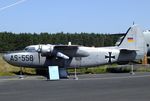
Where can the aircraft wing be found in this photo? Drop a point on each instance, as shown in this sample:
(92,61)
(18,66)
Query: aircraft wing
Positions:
(71,50)
(64,51)
(66,47)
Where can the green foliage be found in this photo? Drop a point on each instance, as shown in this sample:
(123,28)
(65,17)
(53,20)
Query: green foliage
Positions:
(11,41)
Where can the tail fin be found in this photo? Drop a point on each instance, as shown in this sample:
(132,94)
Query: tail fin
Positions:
(134,40)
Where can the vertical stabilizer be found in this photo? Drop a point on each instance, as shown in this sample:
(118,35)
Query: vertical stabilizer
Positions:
(134,40)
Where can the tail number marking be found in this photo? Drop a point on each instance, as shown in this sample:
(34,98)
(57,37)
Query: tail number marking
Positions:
(22,58)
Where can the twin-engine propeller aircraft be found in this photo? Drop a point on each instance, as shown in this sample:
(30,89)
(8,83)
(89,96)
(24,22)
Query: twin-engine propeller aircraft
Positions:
(131,48)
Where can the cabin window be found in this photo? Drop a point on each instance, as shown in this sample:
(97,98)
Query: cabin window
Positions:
(147,45)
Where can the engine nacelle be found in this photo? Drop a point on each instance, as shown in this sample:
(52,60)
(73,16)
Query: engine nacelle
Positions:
(46,50)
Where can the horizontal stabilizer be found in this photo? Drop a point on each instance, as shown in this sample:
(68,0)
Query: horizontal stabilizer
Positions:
(128,49)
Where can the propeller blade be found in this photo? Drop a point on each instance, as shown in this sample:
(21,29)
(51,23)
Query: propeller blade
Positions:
(39,52)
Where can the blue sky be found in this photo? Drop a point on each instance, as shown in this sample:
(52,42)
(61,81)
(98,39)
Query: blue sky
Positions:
(98,16)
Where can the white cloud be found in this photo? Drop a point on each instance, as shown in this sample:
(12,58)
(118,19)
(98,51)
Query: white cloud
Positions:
(11,5)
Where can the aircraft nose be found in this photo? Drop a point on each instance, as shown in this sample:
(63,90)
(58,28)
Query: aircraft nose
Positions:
(6,57)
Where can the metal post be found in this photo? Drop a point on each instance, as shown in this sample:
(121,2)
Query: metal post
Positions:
(21,73)
(78,63)
(132,70)
(75,74)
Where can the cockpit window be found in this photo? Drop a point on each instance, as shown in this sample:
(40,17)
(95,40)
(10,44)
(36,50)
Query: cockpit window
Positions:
(30,49)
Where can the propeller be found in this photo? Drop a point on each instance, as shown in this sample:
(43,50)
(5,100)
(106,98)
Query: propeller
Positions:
(39,52)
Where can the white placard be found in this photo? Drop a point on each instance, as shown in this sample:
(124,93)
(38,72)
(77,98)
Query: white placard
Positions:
(53,72)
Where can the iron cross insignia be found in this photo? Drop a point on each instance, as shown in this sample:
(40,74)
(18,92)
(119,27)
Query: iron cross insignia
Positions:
(109,57)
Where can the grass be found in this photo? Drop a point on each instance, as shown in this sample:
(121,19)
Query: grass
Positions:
(6,74)
(91,70)
(111,69)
